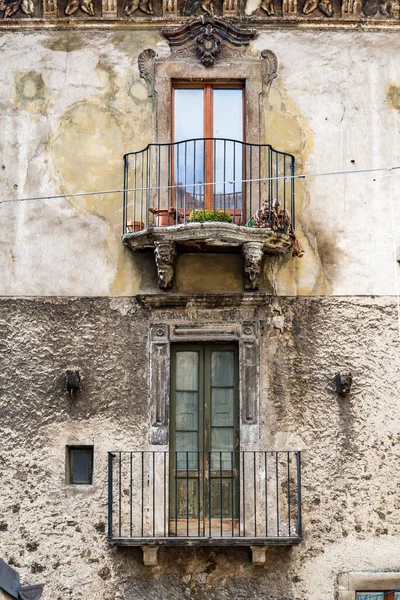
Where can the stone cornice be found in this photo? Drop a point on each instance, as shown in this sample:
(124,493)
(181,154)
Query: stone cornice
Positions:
(141,14)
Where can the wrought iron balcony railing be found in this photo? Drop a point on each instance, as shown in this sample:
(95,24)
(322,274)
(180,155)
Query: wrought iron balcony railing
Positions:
(247,498)
(209,179)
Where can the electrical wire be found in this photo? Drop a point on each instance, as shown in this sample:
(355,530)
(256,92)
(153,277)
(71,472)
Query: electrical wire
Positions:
(192,185)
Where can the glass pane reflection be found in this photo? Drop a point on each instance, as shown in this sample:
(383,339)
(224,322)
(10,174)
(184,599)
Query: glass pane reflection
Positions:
(189,156)
(228,124)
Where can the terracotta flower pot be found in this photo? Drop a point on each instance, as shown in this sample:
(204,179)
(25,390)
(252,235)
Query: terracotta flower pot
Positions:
(131,226)
(164,216)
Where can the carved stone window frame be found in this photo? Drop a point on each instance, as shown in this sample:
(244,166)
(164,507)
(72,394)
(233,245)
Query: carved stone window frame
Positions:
(212,328)
(361,581)
(249,70)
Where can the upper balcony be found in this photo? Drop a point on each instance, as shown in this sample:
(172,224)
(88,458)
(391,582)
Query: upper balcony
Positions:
(209,194)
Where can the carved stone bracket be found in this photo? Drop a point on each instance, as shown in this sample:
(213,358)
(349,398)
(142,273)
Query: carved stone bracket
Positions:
(208,33)
(271,65)
(165,255)
(146,68)
(252,253)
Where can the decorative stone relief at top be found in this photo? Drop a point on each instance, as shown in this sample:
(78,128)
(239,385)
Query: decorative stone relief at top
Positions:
(213,34)
(10,7)
(208,34)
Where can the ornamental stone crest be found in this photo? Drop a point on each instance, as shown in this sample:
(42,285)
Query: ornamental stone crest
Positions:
(208,33)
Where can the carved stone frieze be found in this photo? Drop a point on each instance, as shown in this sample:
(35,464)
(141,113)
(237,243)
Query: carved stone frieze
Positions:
(10,7)
(109,9)
(351,7)
(252,253)
(208,34)
(209,37)
(230,7)
(170,7)
(49,8)
(193,7)
(86,6)
(146,68)
(131,6)
(323,6)
(289,7)
(268,7)
(165,256)
(271,62)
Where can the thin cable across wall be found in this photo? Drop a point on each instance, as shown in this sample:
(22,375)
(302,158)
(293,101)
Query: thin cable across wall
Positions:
(191,185)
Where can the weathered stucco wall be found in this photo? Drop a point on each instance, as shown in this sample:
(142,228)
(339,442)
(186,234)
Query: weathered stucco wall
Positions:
(55,533)
(72,103)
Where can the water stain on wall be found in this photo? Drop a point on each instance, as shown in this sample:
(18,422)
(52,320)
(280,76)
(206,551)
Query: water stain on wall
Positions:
(393,96)
(87,148)
(288,131)
(31,93)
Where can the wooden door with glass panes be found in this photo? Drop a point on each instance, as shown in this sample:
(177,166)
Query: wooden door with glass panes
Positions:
(204,443)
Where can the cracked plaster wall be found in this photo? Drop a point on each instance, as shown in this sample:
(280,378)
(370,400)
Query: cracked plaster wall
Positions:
(55,533)
(72,103)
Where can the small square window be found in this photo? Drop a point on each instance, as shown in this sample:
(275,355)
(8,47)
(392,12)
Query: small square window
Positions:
(80,465)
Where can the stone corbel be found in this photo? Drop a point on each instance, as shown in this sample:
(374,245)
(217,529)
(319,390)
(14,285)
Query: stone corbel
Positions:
(165,256)
(252,253)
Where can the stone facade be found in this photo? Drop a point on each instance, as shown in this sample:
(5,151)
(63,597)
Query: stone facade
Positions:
(56,533)
(84,82)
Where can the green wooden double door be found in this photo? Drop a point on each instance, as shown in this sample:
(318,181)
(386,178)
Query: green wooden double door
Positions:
(204,458)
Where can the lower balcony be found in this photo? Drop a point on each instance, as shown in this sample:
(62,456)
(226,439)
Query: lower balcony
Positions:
(241,498)
(209,195)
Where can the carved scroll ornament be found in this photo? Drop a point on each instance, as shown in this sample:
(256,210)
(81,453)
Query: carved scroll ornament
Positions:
(271,65)
(146,67)
(208,34)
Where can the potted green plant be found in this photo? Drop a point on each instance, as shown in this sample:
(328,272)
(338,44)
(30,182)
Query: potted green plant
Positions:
(202,215)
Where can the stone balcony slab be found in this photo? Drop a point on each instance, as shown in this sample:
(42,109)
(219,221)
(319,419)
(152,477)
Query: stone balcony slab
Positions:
(167,242)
